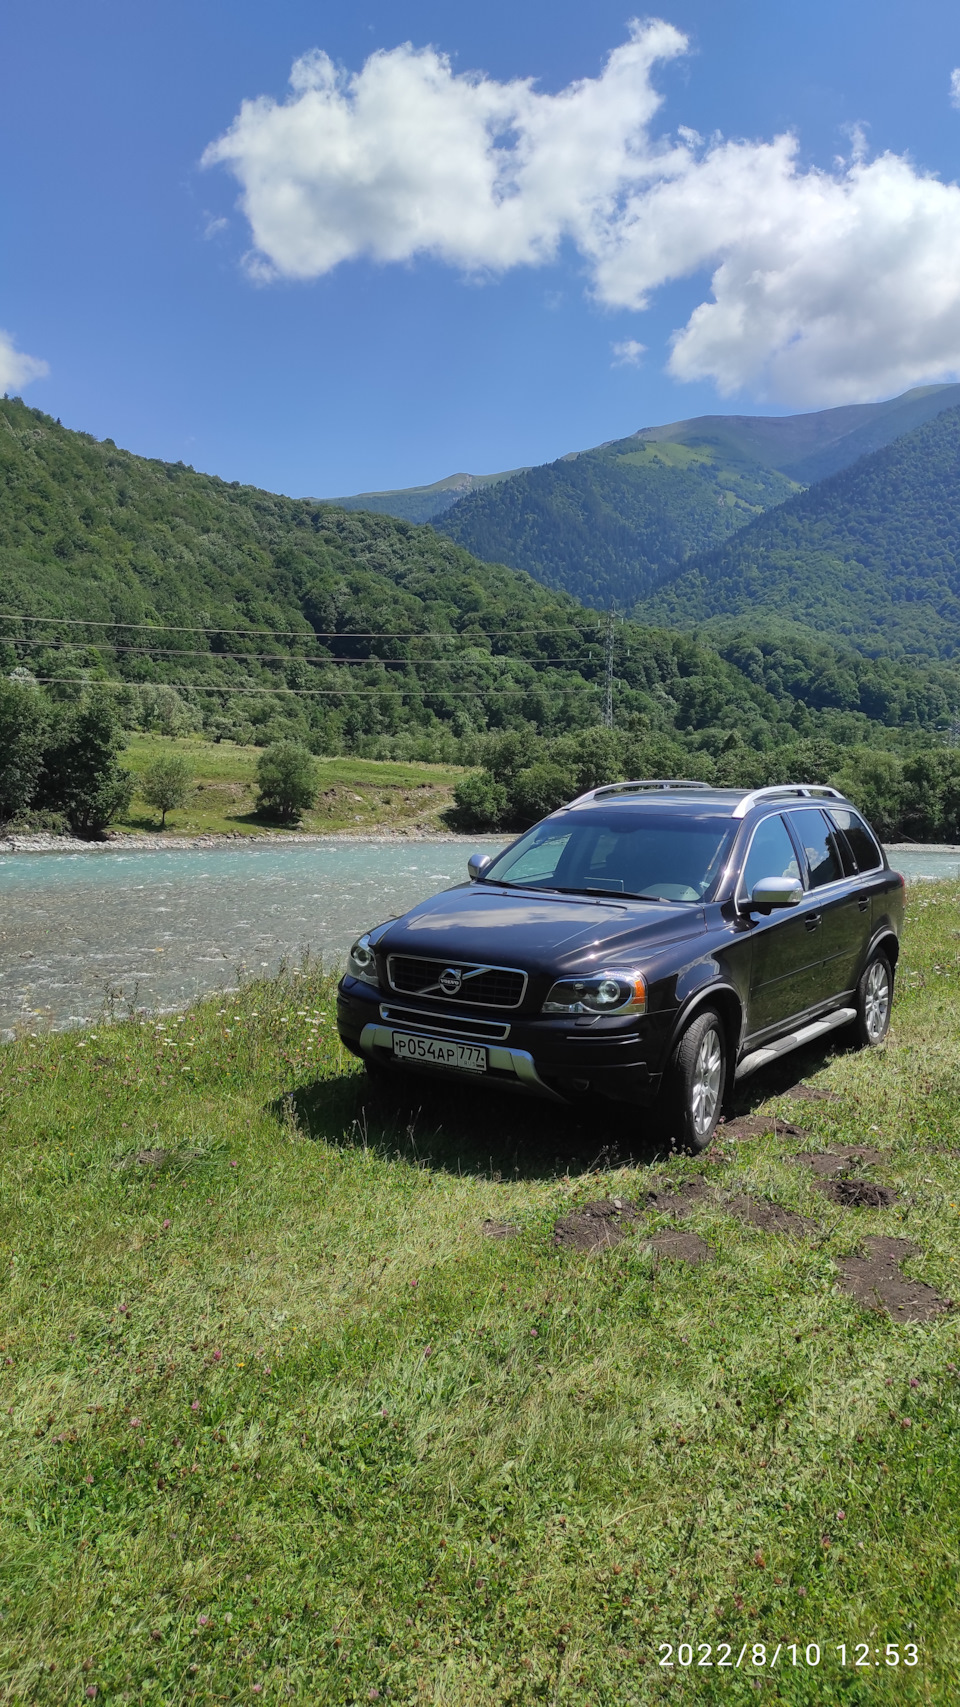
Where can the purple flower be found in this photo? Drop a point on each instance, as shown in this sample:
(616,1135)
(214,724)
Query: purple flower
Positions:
(202,1620)
(165,1225)
(913,1381)
(195,1406)
(134,1422)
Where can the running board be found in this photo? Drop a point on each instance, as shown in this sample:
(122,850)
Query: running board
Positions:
(796,1040)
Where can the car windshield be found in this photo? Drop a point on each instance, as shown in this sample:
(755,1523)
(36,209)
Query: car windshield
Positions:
(633,851)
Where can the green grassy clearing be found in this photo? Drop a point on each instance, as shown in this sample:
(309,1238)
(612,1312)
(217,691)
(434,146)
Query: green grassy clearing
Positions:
(360,794)
(278,1423)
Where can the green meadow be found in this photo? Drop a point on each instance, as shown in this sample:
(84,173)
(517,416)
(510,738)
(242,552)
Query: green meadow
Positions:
(279,1421)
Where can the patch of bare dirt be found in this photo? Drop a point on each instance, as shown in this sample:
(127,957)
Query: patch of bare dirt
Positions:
(595,1226)
(499,1230)
(769,1217)
(811,1093)
(875,1281)
(857,1193)
(679,1200)
(681,1247)
(758,1126)
(825,1163)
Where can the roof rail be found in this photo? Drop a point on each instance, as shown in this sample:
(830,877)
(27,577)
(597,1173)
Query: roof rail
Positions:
(786,791)
(651,783)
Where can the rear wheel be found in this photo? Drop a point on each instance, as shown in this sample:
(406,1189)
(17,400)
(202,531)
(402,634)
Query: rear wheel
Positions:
(874,1001)
(694,1083)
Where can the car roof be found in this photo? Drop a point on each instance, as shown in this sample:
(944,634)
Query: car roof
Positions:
(674,792)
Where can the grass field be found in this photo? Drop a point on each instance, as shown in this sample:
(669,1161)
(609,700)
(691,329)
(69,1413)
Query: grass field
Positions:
(279,1423)
(355,794)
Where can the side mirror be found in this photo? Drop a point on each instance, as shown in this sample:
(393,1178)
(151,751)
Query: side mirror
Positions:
(776,892)
(477,865)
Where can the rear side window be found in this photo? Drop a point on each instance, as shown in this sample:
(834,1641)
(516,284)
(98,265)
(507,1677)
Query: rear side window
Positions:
(821,845)
(772,854)
(862,844)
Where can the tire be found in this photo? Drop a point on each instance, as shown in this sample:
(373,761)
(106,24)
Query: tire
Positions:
(695,1082)
(874,1001)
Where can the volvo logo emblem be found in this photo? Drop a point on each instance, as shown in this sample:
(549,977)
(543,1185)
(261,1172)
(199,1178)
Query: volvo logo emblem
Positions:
(450,981)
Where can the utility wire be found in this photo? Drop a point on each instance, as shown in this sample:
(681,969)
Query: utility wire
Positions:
(288,657)
(344,692)
(285,633)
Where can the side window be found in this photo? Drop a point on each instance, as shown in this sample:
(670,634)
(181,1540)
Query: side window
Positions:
(771,854)
(821,844)
(864,848)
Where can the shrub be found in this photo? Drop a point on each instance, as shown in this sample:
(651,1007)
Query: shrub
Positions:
(165,784)
(287,780)
(480,803)
(81,776)
(23,725)
(538,791)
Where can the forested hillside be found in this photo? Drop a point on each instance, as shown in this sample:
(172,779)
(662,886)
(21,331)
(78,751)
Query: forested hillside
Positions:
(610,524)
(422,503)
(221,607)
(870,556)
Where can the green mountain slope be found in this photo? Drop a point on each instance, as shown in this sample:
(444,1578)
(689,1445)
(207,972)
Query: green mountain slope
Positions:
(351,628)
(871,555)
(610,524)
(422,503)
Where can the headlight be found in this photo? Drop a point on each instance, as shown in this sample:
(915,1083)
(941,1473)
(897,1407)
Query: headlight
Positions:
(603,993)
(361,962)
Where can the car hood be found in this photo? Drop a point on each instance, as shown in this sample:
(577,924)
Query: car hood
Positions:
(491,926)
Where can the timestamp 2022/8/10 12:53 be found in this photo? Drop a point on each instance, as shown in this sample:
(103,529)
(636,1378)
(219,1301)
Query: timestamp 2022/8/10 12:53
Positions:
(765,1656)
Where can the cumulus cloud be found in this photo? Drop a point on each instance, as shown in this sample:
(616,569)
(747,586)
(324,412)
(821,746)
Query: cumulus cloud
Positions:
(16,368)
(825,286)
(628,353)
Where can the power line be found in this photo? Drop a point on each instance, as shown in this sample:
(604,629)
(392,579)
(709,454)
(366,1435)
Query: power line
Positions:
(314,693)
(292,657)
(285,633)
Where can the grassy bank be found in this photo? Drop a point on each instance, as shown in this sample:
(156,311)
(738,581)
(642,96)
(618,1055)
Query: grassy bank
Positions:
(280,1423)
(355,794)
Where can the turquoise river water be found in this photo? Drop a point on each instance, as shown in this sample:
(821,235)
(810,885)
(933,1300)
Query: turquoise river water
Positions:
(155,929)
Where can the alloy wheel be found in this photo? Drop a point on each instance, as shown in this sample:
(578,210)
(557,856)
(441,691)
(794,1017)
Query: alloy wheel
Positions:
(876,1000)
(706,1083)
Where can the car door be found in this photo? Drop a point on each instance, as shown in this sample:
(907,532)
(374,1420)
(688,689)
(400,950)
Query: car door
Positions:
(786,942)
(837,894)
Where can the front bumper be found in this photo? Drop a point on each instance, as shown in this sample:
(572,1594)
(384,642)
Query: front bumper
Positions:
(541,1056)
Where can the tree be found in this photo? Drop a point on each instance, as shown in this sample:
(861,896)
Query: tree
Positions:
(165,784)
(479,802)
(22,728)
(81,776)
(287,780)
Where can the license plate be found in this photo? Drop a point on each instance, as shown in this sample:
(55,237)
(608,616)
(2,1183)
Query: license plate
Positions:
(466,1056)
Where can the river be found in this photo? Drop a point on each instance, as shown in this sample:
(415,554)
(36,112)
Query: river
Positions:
(156,929)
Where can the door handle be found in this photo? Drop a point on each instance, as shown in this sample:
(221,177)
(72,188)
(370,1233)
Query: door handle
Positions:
(812,920)
(863,903)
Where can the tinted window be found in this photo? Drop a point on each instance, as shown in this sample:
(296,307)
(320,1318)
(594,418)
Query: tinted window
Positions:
(864,848)
(620,850)
(821,844)
(772,854)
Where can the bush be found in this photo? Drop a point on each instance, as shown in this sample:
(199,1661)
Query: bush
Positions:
(165,784)
(480,803)
(287,780)
(538,791)
(23,724)
(81,776)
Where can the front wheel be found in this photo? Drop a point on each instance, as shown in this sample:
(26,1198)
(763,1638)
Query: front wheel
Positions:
(694,1083)
(874,1001)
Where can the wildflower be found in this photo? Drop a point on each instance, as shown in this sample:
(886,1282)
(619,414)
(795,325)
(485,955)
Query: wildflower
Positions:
(905,1422)
(202,1620)
(913,1381)
(267,1370)
(165,1225)
(234,1164)
(91,1690)
(759,1559)
(217,1355)
(135,1422)
(195,1406)
(841,1516)
(427,1350)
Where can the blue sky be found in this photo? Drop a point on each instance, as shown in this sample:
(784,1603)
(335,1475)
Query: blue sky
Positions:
(315,344)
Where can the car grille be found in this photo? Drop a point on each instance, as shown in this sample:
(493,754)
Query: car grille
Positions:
(462,1026)
(487,986)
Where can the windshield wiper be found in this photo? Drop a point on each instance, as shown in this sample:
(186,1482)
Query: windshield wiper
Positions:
(611,894)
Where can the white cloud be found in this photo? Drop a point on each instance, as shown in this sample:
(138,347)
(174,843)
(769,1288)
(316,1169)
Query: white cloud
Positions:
(628,353)
(955,87)
(826,286)
(16,368)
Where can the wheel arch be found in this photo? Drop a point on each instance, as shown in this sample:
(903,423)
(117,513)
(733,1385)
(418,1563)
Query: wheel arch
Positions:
(727,1003)
(888,943)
